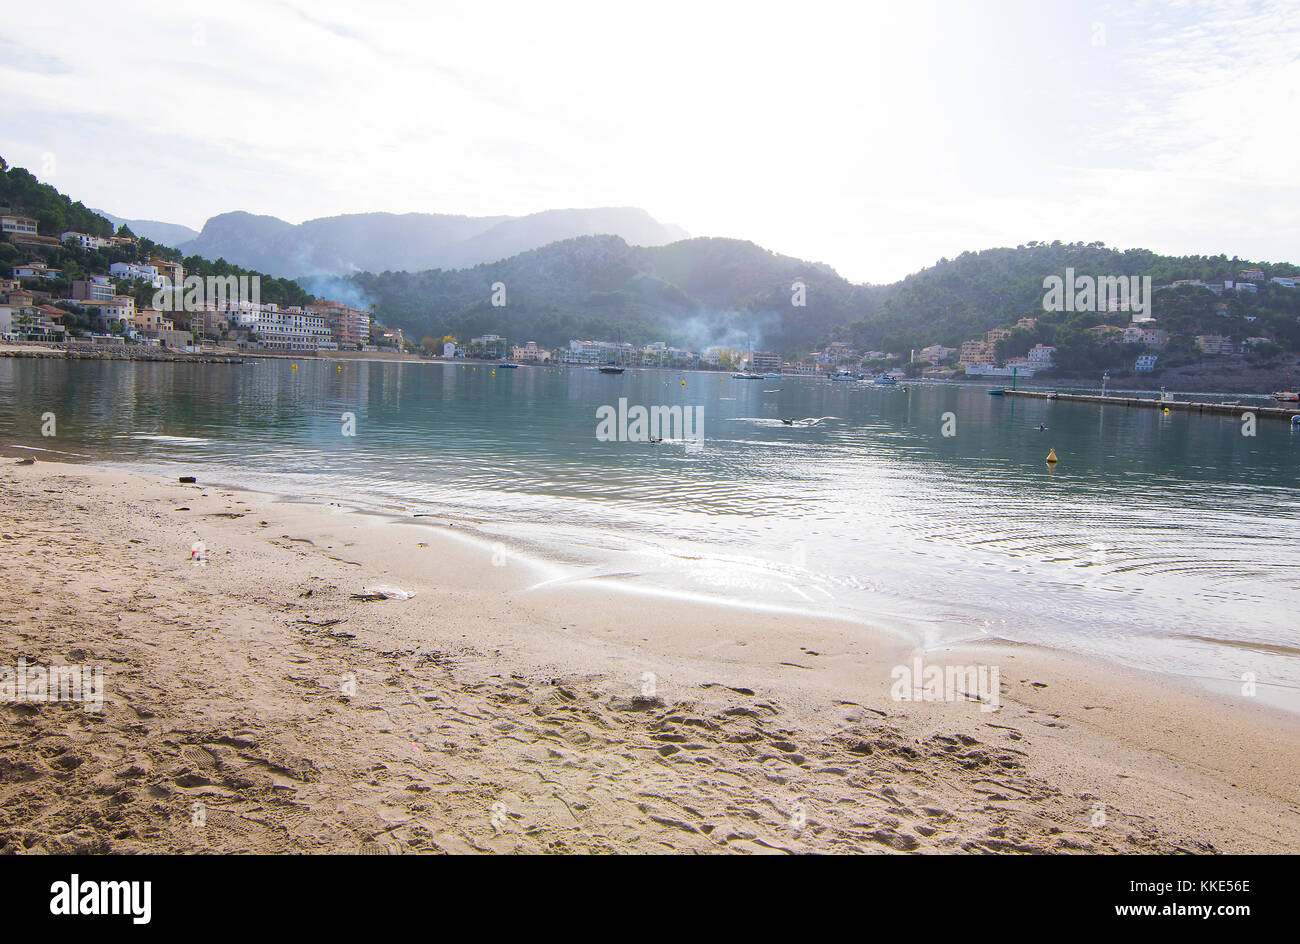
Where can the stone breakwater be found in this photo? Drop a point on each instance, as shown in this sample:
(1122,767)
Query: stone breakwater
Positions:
(120,353)
(1182,406)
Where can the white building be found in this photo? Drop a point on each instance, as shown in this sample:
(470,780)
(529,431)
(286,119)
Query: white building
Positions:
(36,270)
(285,329)
(596,352)
(10,223)
(1145,332)
(136,272)
(85,240)
(1040,356)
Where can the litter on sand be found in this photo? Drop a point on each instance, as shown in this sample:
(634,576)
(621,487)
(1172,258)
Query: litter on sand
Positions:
(383,593)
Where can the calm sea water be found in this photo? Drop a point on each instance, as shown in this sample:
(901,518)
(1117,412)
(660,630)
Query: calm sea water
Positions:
(1165,542)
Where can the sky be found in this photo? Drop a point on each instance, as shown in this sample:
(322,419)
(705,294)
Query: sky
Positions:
(874,137)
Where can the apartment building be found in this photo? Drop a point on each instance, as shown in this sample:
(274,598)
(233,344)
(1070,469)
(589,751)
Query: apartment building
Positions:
(136,272)
(1040,356)
(105,311)
(11,223)
(208,321)
(28,323)
(1146,332)
(764,361)
(172,271)
(285,329)
(349,327)
(96,288)
(36,270)
(85,240)
(152,321)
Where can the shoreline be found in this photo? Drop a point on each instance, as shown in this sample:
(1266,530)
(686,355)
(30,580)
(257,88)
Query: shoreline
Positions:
(905,632)
(494,713)
(1184,384)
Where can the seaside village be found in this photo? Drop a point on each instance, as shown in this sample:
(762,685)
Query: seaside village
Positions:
(31,312)
(976,357)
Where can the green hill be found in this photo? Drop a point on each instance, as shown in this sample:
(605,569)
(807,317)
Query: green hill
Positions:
(694,292)
(963,298)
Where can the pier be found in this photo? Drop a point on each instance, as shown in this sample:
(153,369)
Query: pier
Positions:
(1184,406)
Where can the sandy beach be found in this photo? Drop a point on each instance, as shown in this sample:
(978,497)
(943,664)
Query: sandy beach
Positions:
(256,700)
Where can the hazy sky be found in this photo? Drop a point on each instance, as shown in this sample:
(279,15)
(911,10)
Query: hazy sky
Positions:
(875,137)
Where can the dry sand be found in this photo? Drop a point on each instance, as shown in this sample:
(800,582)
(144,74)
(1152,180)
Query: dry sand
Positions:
(253,703)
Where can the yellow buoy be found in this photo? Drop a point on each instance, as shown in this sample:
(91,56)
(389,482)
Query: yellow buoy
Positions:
(1051,455)
(293,366)
(494,371)
(683,383)
(338,366)
(1166,411)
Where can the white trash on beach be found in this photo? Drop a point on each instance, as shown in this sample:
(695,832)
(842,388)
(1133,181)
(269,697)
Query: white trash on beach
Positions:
(390,593)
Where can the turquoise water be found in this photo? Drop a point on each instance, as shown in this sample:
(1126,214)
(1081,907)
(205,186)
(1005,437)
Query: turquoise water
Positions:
(1165,542)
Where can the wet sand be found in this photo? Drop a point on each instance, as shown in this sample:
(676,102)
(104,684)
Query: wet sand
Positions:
(254,703)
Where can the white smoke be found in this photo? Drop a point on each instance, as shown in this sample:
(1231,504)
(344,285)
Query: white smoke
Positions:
(732,328)
(334,288)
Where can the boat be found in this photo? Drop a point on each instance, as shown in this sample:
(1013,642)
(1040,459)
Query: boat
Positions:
(842,375)
(509,366)
(747,376)
(998,392)
(885,380)
(610,369)
(771,376)
(1287,396)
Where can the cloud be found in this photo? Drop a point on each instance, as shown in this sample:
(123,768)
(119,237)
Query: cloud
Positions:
(876,138)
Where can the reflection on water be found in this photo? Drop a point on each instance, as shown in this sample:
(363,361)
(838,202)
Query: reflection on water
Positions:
(1163,541)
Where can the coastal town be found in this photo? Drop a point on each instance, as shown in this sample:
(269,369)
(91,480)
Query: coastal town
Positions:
(41,305)
(188,315)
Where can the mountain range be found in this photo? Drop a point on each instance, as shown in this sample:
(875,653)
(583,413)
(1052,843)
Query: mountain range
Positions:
(618,274)
(379,242)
